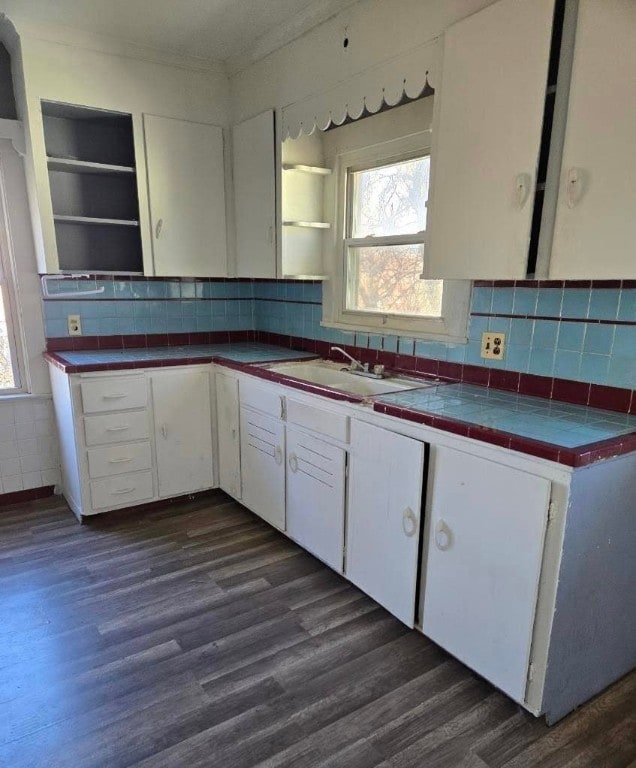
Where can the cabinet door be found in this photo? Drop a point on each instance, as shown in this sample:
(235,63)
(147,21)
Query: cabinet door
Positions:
(315,496)
(228,429)
(487,139)
(263,466)
(595,225)
(486,524)
(186,188)
(255,196)
(183,431)
(383,517)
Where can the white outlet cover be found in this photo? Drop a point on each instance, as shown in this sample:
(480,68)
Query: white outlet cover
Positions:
(74,324)
(493,345)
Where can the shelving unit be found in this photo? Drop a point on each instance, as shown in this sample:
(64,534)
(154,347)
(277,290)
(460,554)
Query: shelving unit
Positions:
(93,184)
(303,209)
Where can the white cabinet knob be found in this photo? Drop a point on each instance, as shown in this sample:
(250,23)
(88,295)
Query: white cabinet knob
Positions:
(409,522)
(293,462)
(158,228)
(278,455)
(443,536)
(573,187)
(523,182)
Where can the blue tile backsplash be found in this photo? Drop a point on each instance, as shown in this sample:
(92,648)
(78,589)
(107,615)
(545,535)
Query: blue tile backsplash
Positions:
(578,333)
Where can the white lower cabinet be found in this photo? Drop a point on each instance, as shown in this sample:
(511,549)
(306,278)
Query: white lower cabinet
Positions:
(383,517)
(228,432)
(316,496)
(263,465)
(486,524)
(183,431)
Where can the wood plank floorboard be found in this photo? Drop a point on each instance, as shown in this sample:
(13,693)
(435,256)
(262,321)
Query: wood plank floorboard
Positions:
(198,636)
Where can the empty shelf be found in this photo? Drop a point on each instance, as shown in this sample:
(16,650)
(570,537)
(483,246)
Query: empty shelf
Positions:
(85,166)
(90,220)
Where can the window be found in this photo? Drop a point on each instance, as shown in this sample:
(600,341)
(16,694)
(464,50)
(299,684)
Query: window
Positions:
(380,247)
(9,373)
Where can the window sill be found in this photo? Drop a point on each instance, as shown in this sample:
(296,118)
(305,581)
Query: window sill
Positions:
(374,330)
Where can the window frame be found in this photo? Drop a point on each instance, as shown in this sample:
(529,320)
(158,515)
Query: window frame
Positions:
(453,323)
(8,289)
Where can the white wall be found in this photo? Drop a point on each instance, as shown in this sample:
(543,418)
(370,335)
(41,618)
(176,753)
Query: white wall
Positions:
(28,444)
(378,31)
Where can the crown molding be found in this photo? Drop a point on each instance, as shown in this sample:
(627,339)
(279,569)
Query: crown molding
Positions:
(76,38)
(317,13)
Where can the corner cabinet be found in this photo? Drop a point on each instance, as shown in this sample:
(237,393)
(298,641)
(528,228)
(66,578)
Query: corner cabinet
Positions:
(254,172)
(186,191)
(486,141)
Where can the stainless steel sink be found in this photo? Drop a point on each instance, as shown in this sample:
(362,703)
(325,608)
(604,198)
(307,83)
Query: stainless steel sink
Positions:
(332,375)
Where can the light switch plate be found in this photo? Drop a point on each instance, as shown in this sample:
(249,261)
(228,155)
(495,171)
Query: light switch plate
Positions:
(493,345)
(74,325)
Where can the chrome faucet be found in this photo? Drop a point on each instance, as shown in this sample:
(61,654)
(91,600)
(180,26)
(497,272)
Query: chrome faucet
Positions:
(356,365)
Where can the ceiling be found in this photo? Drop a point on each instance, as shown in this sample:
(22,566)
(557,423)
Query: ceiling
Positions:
(218,30)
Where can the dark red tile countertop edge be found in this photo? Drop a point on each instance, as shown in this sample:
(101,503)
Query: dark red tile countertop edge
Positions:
(509,381)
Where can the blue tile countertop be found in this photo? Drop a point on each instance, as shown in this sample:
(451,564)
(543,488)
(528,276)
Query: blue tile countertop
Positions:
(566,429)
(114,359)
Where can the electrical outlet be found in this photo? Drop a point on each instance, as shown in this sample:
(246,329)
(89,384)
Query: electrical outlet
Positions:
(74,325)
(493,345)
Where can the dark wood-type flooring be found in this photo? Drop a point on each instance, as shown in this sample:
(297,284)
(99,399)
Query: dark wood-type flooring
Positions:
(199,636)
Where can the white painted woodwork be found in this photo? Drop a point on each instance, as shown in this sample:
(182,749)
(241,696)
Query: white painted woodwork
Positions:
(228,431)
(487,140)
(254,165)
(486,524)
(263,466)
(595,227)
(263,397)
(186,187)
(122,490)
(117,459)
(316,496)
(319,419)
(114,394)
(383,516)
(116,427)
(183,430)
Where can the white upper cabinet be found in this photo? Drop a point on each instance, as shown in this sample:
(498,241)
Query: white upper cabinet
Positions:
(254,168)
(186,186)
(595,224)
(486,141)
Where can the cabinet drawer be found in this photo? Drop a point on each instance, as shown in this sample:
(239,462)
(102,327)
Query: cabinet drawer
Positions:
(123,489)
(117,459)
(114,394)
(335,425)
(261,398)
(116,428)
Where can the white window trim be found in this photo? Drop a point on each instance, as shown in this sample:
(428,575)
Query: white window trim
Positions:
(452,326)
(8,286)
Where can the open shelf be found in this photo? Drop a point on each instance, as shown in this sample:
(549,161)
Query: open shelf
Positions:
(308,224)
(94,220)
(70,165)
(316,169)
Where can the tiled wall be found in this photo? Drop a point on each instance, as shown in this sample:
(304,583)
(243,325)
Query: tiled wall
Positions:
(28,445)
(577,331)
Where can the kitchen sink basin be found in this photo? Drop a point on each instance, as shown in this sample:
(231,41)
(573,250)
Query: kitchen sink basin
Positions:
(332,375)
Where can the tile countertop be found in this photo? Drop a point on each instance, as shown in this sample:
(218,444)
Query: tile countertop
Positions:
(570,434)
(574,435)
(120,359)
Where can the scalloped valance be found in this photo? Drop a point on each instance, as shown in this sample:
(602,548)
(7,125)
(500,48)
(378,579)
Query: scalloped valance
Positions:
(385,84)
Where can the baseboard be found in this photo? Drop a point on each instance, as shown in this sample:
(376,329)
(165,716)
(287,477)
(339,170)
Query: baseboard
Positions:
(30,494)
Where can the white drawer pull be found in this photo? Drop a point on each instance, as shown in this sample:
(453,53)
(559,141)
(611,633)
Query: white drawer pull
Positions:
(278,455)
(122,428)
(409,522)
(122,460)
(164,431)
(443,536)
(293,462)
(123,490)
(114,396)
